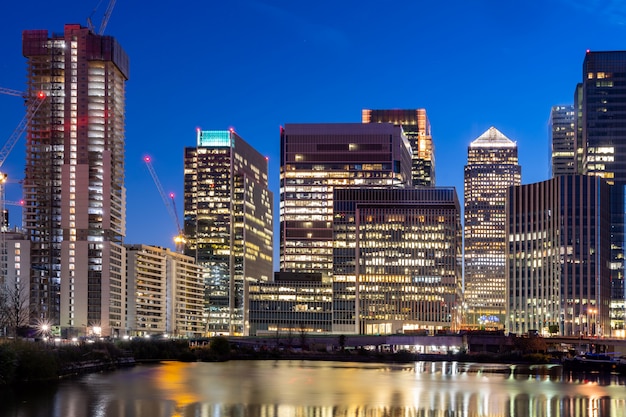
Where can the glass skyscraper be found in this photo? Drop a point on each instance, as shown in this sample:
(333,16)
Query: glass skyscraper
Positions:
(602,146)
(562,140)
(74,195)
(416,127)
(227,224)
(492,167)
(316,159)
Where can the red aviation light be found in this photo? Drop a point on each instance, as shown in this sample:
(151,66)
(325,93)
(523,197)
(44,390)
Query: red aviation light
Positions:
(147,159)
(172,196)
(41,95)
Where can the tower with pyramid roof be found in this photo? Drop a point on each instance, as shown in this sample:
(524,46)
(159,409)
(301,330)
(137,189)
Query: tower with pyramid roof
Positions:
(492,167)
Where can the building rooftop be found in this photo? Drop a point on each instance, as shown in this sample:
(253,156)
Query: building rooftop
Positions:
(493,138)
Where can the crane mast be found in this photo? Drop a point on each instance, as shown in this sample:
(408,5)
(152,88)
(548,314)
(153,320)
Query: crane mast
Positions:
(105,17)
(33,106)
(170,205)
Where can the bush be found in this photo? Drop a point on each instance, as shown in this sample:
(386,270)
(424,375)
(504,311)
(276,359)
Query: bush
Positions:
(36,362)
(8,364)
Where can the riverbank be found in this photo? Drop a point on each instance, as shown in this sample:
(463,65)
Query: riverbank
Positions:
(24,362)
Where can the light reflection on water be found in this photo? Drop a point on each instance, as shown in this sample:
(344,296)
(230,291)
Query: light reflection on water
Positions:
(321,389)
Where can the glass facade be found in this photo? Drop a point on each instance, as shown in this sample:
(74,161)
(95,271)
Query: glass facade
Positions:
(558,252)
(315,159)
(228,224)
(293,304)
(492,167)
(396,260)
(74,196)
(603,152)
(562,141)
(416,126)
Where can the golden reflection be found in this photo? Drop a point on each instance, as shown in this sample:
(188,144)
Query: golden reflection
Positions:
(172,382)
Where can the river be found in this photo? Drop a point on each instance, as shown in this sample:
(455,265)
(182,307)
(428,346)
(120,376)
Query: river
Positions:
(322,389)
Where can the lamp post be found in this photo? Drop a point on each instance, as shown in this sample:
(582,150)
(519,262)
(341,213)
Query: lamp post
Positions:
(44,330)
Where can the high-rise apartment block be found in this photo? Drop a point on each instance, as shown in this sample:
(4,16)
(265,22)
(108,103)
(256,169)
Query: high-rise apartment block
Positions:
(563,140)
(602,146)
(316,159)
(417,130)
(165,293)
(228,224)
(74,196)
(492,167)
(557,253)
(396,260)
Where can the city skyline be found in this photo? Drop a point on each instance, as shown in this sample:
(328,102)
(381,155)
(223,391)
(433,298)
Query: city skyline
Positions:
(288,64)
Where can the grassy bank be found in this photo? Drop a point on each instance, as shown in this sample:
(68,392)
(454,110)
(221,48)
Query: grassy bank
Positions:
(24,362)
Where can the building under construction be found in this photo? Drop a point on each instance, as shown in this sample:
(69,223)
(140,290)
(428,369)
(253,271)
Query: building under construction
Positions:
(74,196)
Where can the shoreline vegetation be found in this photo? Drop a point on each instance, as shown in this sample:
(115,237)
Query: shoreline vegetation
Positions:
(27,362)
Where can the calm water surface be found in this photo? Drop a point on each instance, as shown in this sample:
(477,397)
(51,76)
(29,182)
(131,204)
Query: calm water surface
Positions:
(321,389)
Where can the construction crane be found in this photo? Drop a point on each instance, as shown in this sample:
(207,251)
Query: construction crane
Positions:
(170,204)
(105,17)
(33,106)
(11,92)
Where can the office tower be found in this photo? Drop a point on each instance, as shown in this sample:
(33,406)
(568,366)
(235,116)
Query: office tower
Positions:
(228,224)
(417,130)
(603,151)
(166,293)
(292,306)
(558,240)
(74,196)
(396,260)
(492,167)
(562,141)
(316,158)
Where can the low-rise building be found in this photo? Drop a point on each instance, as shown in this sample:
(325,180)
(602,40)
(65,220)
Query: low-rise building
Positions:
(165,293)
(294,303)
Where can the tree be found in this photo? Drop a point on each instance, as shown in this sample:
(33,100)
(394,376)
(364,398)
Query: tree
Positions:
(220,347)
(342,342)
(302,336)
(14,307)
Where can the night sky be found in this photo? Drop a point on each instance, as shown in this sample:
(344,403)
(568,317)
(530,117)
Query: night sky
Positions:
(256,65)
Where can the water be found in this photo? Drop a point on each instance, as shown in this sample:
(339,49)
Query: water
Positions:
(322,389)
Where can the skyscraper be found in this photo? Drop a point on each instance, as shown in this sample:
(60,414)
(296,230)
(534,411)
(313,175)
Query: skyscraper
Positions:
(315,159)
(228,224)
(492,167)
(74,196)
(603,151)
(562,140)
(558,239)
(417,130)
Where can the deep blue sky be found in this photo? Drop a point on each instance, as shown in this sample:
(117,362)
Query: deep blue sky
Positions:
(256,65)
